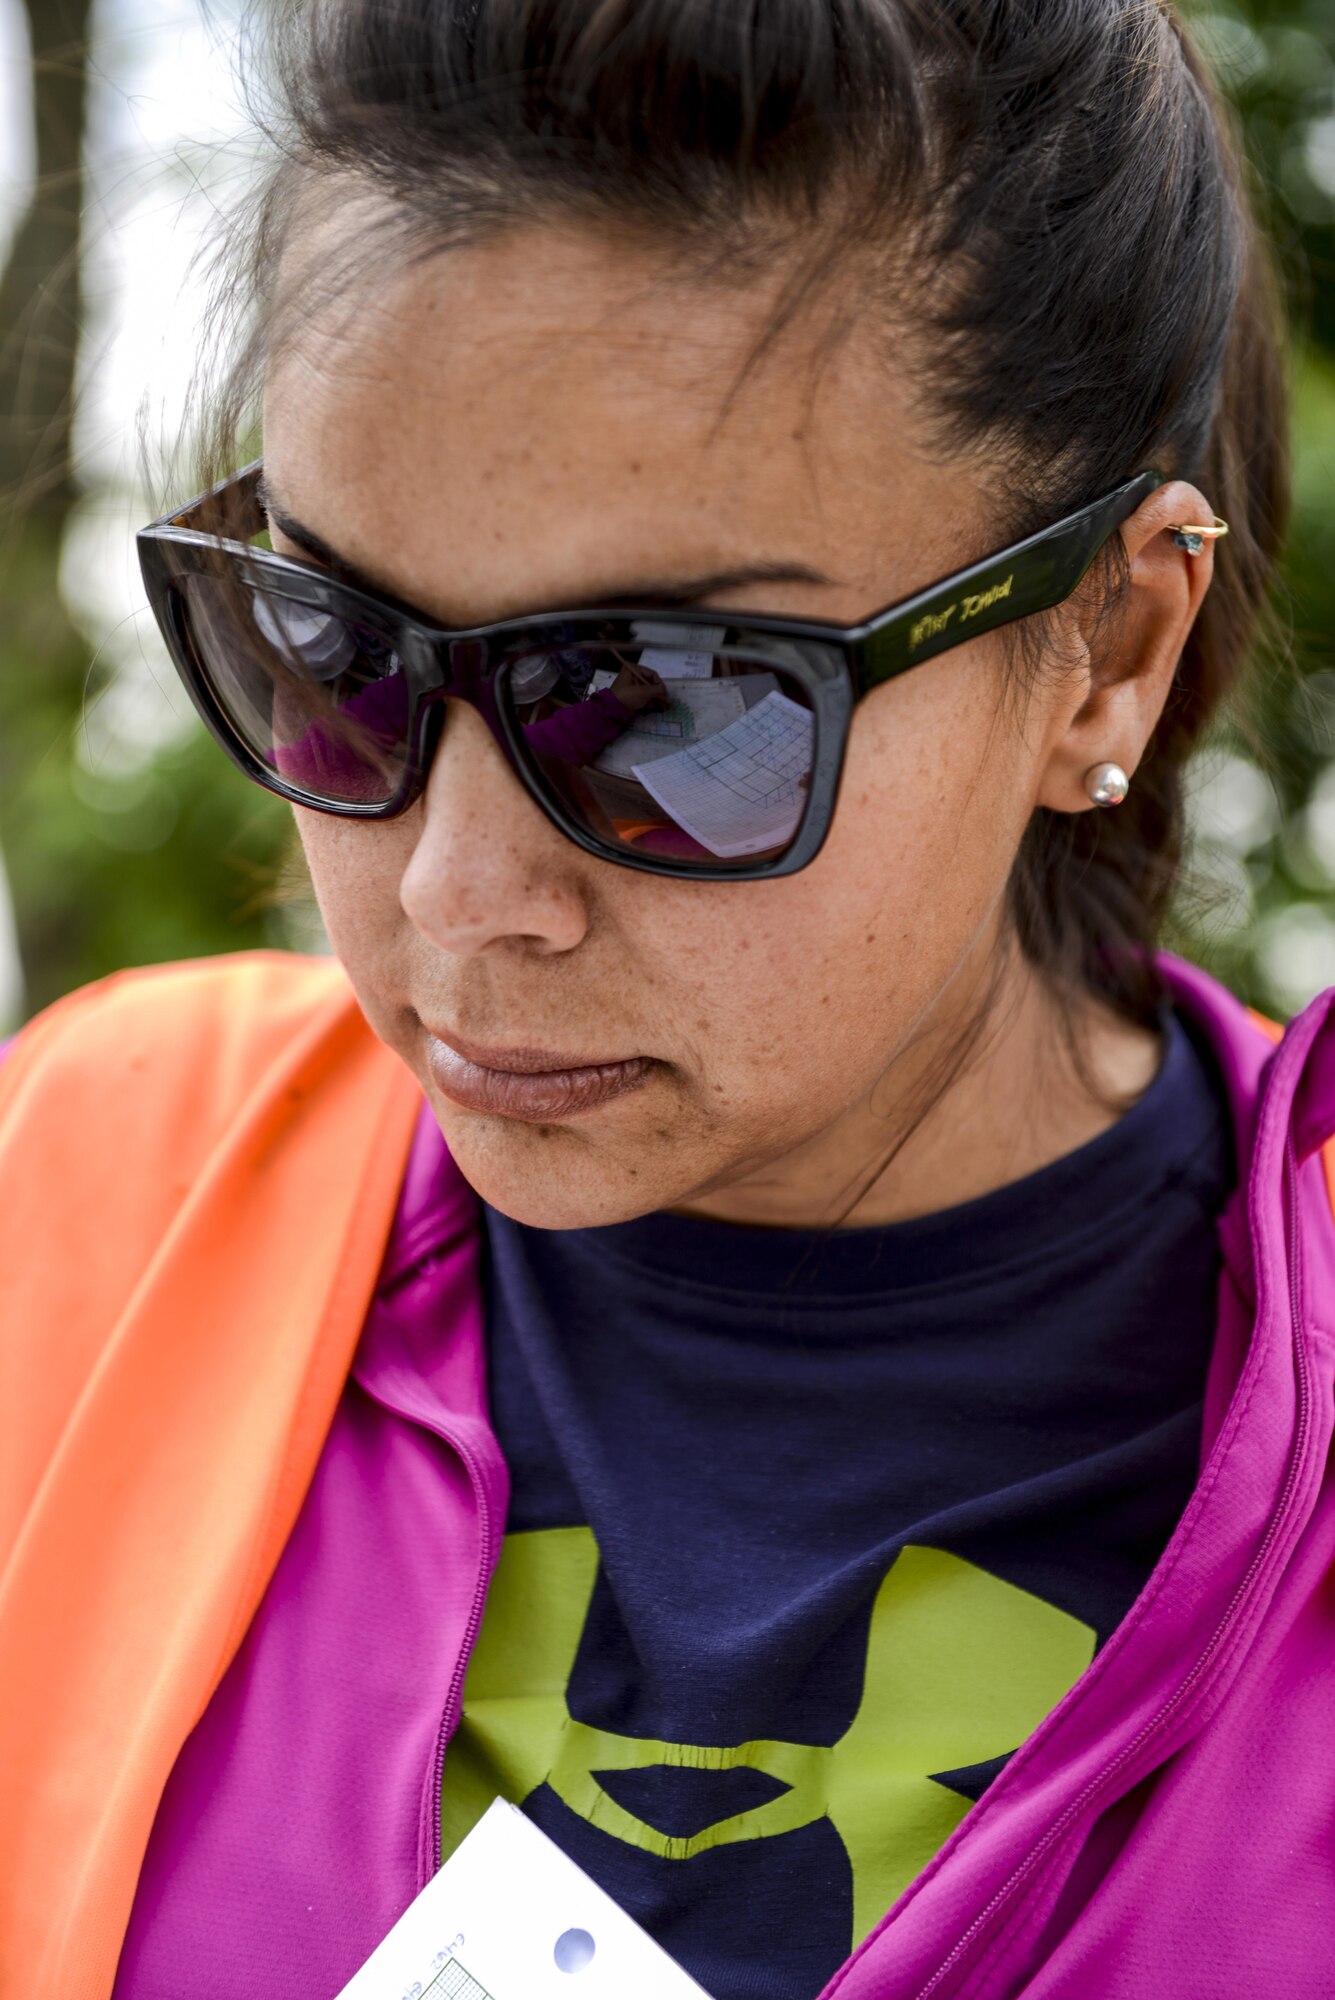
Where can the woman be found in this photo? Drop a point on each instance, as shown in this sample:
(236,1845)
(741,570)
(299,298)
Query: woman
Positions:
(750,1311)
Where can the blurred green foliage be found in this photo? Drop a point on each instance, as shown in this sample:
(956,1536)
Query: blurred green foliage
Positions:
(118,856)
(1258,903)
(113,863)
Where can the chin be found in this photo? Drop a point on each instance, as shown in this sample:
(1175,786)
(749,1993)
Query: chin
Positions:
(550,1176)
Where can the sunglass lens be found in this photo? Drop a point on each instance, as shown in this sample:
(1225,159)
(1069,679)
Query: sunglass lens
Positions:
(320,699)
(666,742)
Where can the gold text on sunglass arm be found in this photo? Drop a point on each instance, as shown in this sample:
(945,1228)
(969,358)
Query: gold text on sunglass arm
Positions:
(933,623)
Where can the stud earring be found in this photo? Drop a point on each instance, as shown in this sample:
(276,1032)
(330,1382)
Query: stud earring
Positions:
(1192,537)
(1107,784)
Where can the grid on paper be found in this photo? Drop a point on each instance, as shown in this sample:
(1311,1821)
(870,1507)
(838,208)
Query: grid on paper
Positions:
(763,756)
(454,1982)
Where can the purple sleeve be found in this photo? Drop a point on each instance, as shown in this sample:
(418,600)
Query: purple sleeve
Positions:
(339,753)
(575,735)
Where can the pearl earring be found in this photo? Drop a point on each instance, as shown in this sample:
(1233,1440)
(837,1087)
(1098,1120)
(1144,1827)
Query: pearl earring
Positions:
(1107,784)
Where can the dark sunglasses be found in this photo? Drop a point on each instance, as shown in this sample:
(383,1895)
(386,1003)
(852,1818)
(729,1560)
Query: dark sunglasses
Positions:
(700,744)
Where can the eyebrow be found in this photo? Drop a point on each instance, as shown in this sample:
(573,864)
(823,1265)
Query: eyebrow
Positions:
(655,591)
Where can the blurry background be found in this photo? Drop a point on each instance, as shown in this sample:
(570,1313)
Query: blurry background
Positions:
(125,837)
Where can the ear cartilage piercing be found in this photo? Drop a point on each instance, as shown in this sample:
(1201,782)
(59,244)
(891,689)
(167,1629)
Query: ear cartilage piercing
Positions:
(1192,537)
(1107,784)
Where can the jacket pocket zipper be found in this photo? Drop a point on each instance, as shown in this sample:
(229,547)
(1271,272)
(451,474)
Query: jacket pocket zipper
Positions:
(454,1694)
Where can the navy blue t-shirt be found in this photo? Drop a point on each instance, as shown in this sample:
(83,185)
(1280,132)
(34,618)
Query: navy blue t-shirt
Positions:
(809,1531)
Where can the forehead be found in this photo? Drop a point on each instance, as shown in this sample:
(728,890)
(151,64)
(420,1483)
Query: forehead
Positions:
(539,413)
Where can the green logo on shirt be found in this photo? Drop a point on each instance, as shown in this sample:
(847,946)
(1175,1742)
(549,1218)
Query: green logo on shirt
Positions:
(961,1667)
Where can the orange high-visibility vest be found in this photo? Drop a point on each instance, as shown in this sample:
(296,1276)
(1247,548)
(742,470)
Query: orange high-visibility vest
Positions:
(199,1168)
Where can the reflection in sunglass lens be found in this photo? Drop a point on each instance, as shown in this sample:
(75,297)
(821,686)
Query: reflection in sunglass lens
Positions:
(319,698)
(663,741)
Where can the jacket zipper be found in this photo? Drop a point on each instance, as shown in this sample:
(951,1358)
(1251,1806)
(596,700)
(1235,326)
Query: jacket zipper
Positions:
(454,1694)
(973,1937)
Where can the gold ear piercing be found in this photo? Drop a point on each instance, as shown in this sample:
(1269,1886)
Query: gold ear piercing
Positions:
(1192,537)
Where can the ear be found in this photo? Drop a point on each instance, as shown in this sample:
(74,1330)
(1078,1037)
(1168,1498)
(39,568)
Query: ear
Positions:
(1117,700)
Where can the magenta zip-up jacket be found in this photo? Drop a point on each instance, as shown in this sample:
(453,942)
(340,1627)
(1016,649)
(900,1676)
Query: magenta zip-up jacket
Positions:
(1167,1830)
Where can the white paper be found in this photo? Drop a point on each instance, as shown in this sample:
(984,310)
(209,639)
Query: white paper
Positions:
(739,792)
(511,1917)
(678,652)
(698,709)
(677,666)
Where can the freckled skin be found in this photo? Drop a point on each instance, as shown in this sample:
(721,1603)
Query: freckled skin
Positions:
(524,421)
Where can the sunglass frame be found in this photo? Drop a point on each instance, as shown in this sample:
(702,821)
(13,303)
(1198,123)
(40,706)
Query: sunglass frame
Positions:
(835,665)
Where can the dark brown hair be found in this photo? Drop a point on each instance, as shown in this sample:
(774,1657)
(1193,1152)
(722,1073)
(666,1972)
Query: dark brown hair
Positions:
(1058,176)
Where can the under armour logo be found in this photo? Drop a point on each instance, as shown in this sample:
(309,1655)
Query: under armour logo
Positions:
(961,1667)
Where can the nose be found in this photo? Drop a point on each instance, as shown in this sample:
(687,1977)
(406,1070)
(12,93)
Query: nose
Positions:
(488,867)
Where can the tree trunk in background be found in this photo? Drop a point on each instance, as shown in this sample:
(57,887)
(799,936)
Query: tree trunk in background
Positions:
(40,292)
(43,657)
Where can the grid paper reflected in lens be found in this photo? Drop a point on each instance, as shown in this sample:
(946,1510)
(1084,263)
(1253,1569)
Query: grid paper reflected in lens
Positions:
(666,742)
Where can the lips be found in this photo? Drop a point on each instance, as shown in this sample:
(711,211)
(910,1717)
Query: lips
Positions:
(538,1085)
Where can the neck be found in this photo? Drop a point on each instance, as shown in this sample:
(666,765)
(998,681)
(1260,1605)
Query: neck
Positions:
(984,1091)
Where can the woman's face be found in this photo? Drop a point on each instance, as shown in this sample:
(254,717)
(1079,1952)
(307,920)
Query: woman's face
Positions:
(540,421)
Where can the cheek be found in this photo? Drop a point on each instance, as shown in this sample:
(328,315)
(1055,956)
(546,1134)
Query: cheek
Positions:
(802,989)
(938,787)
(356,871)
